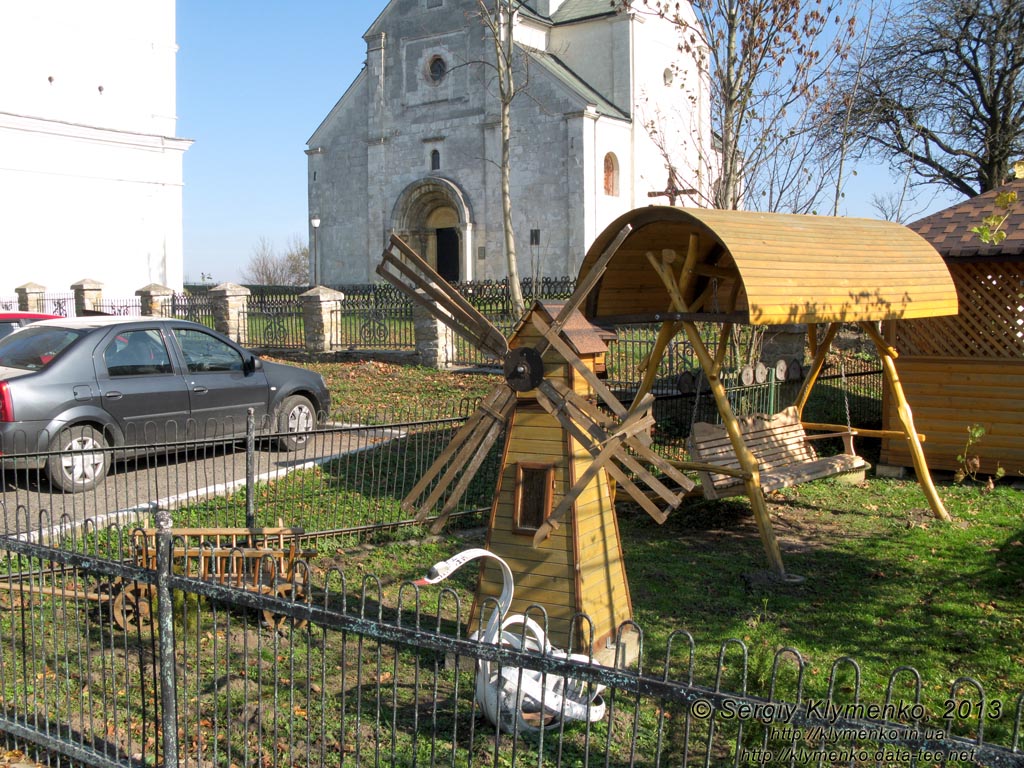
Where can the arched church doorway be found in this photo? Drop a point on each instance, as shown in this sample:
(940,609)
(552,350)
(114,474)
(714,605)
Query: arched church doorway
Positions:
(432,215)
(443,250)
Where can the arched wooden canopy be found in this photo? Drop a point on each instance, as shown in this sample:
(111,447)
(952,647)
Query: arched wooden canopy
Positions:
(679,267)
(766,268)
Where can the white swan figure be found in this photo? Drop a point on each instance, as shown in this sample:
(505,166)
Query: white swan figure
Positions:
(513,697)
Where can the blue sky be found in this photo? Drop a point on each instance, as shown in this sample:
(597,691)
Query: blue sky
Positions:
(254,81)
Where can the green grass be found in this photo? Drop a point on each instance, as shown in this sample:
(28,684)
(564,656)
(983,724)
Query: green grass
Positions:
(885,583)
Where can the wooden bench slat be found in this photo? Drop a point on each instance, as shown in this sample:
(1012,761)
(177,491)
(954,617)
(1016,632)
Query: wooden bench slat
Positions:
(780,445)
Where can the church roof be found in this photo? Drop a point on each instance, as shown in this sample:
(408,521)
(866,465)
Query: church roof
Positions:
(574,10)
(558,69)
(949,230)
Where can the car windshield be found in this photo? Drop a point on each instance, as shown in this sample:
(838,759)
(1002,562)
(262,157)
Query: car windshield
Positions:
(35,347)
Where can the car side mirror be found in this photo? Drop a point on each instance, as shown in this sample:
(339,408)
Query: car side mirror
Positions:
(252,364)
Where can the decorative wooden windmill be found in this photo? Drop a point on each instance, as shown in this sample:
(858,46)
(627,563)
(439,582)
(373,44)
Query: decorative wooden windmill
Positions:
(567,437)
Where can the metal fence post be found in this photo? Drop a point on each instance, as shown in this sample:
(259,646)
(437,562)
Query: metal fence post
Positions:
(165,622)
(250,469)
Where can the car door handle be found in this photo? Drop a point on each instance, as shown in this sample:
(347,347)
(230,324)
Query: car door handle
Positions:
(200,390)
(113,395)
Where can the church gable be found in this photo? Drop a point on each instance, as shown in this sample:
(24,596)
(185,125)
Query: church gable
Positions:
(414,145)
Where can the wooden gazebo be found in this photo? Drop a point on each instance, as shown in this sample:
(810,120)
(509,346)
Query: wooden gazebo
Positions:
(969,368)
(678,267)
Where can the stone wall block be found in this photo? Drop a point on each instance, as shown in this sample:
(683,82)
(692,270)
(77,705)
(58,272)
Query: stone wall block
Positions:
(155,300)
(230,302)
(88,296)
(320,313)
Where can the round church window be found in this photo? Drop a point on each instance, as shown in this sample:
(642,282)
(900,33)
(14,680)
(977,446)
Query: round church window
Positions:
(437,68)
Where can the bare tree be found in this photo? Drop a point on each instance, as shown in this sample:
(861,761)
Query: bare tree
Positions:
(765,63)
(941,94)
(267,267)
(498,16)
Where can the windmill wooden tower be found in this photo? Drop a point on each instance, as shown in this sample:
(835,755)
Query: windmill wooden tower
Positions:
(567,437)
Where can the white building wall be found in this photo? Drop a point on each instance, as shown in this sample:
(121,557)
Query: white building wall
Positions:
(90,170)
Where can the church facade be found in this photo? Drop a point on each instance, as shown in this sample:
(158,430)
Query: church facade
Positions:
(413,146)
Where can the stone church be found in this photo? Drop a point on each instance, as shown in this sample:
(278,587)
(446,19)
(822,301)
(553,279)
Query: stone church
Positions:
(413,146)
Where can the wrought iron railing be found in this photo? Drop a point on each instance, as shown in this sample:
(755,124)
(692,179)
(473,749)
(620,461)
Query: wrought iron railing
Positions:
(372,317)
(197,307)
(272,321)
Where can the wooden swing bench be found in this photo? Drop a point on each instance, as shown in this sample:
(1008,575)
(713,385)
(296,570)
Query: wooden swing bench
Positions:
(781,446)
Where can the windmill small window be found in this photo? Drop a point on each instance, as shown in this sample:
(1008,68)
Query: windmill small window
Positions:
(535,484)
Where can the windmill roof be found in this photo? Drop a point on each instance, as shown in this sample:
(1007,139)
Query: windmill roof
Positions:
(949,230)
(583,336)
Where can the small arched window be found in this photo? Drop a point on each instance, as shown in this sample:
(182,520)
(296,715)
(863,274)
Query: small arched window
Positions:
(435,160)
(611,175)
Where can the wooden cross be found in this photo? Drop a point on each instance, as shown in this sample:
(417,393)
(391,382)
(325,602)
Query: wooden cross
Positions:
(672,189)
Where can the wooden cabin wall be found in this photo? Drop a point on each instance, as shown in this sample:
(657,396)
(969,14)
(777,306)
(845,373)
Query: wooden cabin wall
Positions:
(948,395)
(545,574)
(966,369)
(603,585)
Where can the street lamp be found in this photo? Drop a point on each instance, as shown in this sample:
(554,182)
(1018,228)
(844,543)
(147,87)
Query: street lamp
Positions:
(315,222)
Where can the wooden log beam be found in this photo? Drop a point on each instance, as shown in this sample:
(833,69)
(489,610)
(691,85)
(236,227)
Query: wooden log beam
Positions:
(816,365)
(906,418)
(747,461)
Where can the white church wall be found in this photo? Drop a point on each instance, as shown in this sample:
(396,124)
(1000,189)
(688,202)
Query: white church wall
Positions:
(671,96)
(609,72)
(91,178)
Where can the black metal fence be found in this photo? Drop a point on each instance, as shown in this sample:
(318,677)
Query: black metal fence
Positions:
(272,321)
(373,317)
(194,306)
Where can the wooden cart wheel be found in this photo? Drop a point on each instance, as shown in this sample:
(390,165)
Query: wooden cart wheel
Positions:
(133,607)
(287,591)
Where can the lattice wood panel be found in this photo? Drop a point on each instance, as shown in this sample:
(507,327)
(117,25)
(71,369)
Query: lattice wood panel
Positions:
(991,319)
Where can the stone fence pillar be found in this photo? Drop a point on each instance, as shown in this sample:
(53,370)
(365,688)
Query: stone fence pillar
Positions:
(319,317)
(435,343)
(153,298)
(88,295)
(229,310)
(31,297)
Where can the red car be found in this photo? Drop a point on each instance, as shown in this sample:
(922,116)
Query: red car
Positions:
(12,321)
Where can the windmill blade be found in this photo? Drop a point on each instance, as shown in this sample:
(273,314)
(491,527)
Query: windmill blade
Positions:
(586,423)
(461,458)
(586,285)
(602,457)
(433,293)
(639,442)
(553,337)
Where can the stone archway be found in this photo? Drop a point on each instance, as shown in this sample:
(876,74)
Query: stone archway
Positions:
(433,216)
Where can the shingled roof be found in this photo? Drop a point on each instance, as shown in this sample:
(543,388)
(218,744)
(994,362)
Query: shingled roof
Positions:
(949,230)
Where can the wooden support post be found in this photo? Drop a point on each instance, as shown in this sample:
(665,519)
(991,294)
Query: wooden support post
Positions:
(752,480)
(906,417)
(665,335)
(816,366)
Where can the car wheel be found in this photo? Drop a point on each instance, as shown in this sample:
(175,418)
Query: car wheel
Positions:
(295,419)
(79,462)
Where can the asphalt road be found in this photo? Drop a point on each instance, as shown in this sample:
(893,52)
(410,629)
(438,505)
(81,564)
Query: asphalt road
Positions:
(163,480)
